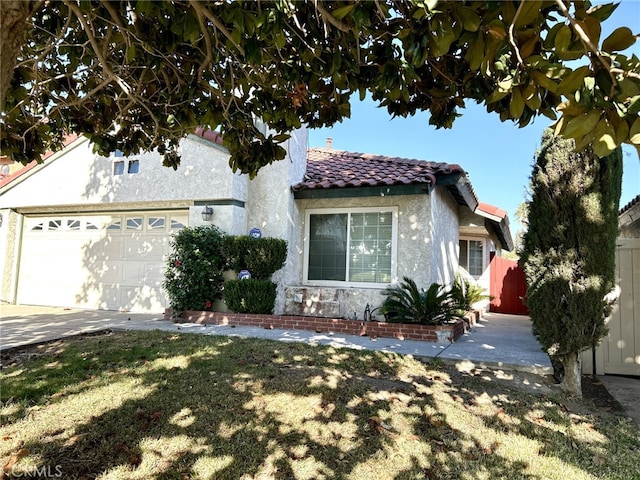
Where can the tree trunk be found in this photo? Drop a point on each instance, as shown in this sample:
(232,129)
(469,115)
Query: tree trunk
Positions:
(572,383)
(14,23)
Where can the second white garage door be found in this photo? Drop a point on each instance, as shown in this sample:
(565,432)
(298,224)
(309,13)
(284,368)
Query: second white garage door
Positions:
(111,262)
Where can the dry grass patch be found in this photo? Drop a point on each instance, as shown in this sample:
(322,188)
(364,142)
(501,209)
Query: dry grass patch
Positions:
(154,405)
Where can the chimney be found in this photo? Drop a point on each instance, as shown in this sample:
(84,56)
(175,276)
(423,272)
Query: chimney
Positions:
(329,142)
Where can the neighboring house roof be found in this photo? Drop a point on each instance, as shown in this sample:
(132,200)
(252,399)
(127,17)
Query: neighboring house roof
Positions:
(210,135)
(66,141)
(630,213)
(499,222)
(339,171)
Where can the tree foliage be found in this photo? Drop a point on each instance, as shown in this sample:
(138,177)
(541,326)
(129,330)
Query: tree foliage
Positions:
(142,75)
(569,248)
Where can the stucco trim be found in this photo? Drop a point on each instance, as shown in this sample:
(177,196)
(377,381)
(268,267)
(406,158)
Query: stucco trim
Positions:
(102,208)
(223,202)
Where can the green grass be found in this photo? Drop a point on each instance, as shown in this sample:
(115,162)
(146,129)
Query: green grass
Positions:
(153,405)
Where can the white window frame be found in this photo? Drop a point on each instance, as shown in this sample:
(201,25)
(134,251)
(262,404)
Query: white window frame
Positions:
(485,263)
(336,283)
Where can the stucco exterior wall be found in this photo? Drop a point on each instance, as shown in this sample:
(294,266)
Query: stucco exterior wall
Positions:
(416,225)
(78,176)
(272,209)
(444,237)
(473,226)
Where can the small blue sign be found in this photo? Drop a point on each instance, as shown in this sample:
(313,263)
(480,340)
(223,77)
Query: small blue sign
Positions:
(255,233)
(244,275)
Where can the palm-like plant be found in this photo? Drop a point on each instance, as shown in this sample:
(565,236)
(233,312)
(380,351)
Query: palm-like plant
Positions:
(406,303)
(465,294)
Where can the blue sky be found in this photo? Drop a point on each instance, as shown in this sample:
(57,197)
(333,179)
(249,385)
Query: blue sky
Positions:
(497,156)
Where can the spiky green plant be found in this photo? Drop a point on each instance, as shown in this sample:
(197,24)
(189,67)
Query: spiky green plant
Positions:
(465,294)
(406,303)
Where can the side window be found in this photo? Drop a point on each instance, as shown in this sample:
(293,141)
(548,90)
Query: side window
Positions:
(134,166)
(471,256)
(118,167)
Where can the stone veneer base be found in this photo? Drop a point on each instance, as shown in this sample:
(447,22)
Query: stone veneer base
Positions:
(402,331)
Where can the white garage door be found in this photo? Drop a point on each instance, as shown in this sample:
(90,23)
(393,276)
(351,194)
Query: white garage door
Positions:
(111,262)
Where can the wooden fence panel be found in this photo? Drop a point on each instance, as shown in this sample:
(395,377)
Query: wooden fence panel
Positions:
(507,287)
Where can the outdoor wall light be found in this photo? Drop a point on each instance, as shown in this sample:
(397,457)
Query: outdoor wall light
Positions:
(207,213)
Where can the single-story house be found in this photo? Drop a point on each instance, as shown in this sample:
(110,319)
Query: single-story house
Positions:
(88,231)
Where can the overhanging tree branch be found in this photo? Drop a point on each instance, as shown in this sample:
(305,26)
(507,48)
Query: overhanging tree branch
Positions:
(96,48)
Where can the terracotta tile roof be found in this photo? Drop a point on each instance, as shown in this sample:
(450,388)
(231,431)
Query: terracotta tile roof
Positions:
(210,135)
(491,210)
(629,205)
(327,168)
(498,220)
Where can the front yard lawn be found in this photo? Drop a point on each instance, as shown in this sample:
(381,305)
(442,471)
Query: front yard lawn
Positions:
(156,405)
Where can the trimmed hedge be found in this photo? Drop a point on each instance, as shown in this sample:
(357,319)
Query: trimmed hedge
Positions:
(253,295)
(262,257)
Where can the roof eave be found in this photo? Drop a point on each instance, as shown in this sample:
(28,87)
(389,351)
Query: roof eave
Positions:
(353,192)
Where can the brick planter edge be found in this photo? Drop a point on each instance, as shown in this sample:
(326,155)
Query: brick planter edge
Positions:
(401,331)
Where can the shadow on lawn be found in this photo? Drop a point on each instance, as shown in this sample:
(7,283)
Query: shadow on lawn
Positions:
(167,406)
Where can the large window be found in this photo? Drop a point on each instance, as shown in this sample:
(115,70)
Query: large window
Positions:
(351,246)
(472,256)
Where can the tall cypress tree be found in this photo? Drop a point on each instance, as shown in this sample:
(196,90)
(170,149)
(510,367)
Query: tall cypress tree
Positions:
(569,250)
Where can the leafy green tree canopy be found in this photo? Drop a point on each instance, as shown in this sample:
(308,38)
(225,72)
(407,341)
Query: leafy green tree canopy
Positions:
(142,75)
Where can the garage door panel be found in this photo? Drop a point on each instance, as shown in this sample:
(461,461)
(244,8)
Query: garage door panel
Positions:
(110,298)
(108,272)
(153,274)
(132,272)
(113,262)
(144,248)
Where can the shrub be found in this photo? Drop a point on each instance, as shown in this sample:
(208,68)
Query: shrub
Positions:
(250,296)
(193,277)
(261,256)
(465,294)
(569,249)
(406,303)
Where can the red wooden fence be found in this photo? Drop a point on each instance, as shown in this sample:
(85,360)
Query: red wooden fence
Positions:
(507,287)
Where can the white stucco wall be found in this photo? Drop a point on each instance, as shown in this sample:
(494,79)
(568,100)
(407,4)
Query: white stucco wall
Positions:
(474,227)
(416,237)
(271,208)
(77,176)
(444,240)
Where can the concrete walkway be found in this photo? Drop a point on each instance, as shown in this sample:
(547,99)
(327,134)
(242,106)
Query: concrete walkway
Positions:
(498,341)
